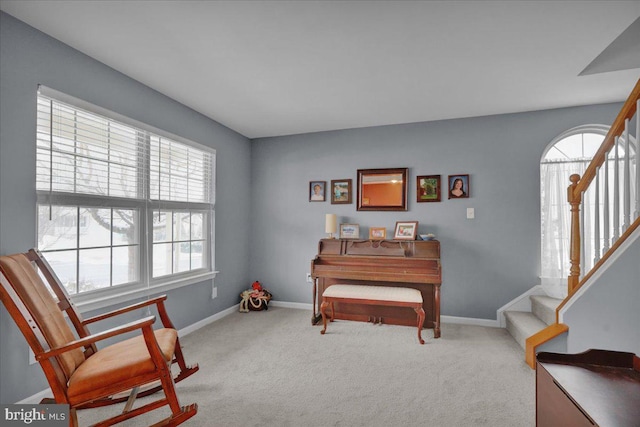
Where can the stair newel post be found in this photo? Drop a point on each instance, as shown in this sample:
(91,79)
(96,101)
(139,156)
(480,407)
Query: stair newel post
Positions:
(574,249)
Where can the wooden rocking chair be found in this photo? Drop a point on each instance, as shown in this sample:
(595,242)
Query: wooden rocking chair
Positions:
(78,373)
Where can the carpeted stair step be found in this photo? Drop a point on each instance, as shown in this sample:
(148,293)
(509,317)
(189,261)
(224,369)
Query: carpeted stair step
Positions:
(544,308)
(522,324)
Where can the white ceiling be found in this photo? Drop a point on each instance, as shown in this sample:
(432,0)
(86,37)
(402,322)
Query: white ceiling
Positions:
(267,68)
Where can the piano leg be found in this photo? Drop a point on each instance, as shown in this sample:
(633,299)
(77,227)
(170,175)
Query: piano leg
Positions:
(323,312)
(421,315)
(315,317)
(436,321)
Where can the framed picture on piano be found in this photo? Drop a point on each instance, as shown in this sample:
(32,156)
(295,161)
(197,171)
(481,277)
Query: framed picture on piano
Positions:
(349,231)
(405,230)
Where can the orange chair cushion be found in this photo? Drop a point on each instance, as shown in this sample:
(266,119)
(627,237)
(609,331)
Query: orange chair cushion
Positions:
(43,308)
(118,362)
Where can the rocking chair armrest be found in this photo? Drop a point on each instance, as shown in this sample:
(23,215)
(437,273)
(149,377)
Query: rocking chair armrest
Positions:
(126,309)
(90,339)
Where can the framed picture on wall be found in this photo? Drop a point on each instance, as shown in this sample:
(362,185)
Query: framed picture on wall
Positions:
(317,191)
(406,230)
(458,186)
(349,231)
(428,188)
(377,233)
(340,191)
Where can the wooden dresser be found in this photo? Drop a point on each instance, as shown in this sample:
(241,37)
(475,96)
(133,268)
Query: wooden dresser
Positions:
(594,388)
(410,264)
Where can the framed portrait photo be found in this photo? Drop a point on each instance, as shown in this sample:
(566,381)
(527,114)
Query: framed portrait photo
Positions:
(458,187)
(340,191)
(349,231)
(317,191)
(377,233)
(428,188)
(406,230)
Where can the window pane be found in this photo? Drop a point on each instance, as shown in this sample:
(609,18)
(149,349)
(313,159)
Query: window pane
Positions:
(181,226)
(64,264)
(196,225)
(95,227)
(94,269)
(125,226)
(592,142)
(182,256)
(59,232)
(125,264)
(162,222)
(196,255)
(162,259)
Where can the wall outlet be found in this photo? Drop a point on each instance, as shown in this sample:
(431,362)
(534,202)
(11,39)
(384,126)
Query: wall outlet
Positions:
(309,280)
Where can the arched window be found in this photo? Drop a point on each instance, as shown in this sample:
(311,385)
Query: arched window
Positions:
(570,153)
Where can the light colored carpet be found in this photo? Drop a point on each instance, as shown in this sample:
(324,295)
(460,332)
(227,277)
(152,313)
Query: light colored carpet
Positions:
(273,368)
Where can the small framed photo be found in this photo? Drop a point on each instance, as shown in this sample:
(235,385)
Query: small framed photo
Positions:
(406,230)
(349,231)
(340,191)
(377,233)
(428,188)
(317,191)
(458,186)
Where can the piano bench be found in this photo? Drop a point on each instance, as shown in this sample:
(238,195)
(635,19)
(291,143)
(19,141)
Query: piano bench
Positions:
(372,295)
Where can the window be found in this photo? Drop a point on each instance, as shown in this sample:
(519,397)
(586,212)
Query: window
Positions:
(570,153)
(120,205)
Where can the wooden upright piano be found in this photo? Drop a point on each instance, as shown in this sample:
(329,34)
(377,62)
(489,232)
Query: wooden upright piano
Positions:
(405,263)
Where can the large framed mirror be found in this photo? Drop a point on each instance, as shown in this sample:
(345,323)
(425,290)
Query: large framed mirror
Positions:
(382,189)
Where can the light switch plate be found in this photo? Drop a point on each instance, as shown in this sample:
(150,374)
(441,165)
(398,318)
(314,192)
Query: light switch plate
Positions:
(471,213)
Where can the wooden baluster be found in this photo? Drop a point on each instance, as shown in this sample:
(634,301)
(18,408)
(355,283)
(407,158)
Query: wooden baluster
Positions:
(616,193)
(627,179)
(605,207)
(574,249)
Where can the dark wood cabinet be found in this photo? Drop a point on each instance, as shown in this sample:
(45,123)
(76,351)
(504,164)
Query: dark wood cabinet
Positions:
(594,388)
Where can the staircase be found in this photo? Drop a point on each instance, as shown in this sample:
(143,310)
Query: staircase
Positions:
(523,324)
(620,213)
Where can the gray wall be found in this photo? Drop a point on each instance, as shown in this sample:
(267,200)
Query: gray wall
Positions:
(607,314)
(486,261)
(28,57)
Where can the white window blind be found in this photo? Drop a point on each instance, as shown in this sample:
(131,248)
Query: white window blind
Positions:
(119,203)
(82,153)
(179,172)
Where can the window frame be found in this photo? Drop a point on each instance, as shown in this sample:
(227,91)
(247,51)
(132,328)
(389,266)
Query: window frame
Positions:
(146,284)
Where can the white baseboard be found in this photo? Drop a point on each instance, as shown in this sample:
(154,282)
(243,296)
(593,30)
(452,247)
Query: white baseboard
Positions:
(36,398)
(469,321)
(296,305)
(207,321)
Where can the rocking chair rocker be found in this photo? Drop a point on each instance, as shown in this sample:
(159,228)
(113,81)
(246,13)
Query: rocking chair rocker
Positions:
(91,377)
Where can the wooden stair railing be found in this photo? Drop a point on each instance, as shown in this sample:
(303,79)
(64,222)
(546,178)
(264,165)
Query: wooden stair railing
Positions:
(579,185)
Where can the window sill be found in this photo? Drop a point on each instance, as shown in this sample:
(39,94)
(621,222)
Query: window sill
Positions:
(89,302)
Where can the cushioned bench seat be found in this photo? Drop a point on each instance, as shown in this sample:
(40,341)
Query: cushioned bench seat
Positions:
(372,295)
